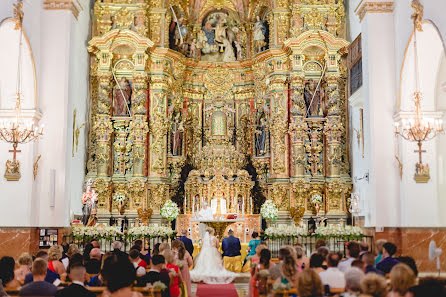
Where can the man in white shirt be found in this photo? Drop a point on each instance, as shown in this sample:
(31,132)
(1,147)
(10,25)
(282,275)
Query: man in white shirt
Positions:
(352,255)
(333,277)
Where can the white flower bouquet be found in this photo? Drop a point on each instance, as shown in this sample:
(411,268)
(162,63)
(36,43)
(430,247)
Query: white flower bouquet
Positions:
(284,232)
(170,210)
(281,287)
(151,231)
(157,286)
(316,199)
(269,211)
(99,232)
(347,232)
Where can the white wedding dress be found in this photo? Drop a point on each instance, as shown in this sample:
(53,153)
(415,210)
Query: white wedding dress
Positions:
(208,267)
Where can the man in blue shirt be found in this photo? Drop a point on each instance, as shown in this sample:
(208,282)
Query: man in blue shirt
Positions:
(38,287)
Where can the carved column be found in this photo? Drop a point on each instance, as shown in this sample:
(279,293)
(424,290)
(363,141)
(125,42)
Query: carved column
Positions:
(155,28)
(121,148)
(281,17)
(138,134)
(103,127)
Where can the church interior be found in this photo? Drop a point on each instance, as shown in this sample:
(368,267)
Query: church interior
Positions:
(292,121)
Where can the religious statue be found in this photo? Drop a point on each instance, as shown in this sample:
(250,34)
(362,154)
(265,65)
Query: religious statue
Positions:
(122,97)
(260,137)
(312,95)
(12,172)
(89,208)
(177,135)
(259,35)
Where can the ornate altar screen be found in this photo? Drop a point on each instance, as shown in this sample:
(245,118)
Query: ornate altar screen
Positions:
(244,100)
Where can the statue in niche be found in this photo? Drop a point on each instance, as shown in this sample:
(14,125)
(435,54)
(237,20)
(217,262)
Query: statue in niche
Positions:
(260,136)
(177,135)
(89,208)
(313,95)
(259,35)
(178,33)
(122,98)
(219,38)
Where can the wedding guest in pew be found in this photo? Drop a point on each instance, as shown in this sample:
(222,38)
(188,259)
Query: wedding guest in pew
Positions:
(401,279)
(185,263)
(134,258)
(77,287)
(144,255)
(275,271)
(93,265)
(7,265)
(374,285)
(38,287)
(51,277)
(427,287)
(264,264)
(309,284)
(289,270)
(25,263)
(157,273)
(302,260)
(316,262)
(353,278)
(369,262)
(175,274)
(119,275)
(332,277)
(97,280)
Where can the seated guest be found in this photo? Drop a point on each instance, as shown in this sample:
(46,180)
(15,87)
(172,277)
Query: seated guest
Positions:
(316,262)
(255,259)
(38,287)
(51,277)
(54,255)
(25,263)
(401,279)
(156,249)
(353,278)
(64,245)
(184,259)
(309,284)
(369,262)
(144,255)
(264,264)
(96,281)
(188,244)
(379,249)
(352,255)
(175,274)
(163,246)
(364,248)
(359,264)
(87,249)
(93,265)
(275,271)
(158,273)
(141,262)
(389,250)
(73,249)
(323,251)
(374,285)
(289,270)
(7,265)
(302,259)
(252,245)
(117,248)
(320,242)
(134,258)
(77,288)
(409,261)
(427,287)
(95,244)
(332,277)
(119,276)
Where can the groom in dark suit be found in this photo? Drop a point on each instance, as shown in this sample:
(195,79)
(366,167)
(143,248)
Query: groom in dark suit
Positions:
(232,258)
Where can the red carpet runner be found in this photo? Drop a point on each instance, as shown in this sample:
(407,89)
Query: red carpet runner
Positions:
(204,290)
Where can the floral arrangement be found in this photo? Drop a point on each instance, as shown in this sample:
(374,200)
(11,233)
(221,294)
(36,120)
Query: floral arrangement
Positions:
(316,199)
(151,231)
(157,286)
(284,231)
(264,273)
(119,198)
(269,211)
(281,287)
(99,232)
(348,232)
(170,210)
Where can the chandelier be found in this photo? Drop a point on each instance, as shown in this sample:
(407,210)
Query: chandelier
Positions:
(16,131)
(418,128)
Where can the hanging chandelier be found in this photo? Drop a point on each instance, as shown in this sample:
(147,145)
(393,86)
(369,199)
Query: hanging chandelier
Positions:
(16,130)
(418,128)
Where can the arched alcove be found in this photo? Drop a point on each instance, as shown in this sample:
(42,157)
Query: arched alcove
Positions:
(9,38)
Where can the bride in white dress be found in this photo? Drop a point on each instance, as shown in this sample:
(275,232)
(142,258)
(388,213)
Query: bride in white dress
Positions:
(208,267)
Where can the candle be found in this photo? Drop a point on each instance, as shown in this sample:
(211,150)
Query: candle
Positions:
(252,205)
(193,206)
(243,206)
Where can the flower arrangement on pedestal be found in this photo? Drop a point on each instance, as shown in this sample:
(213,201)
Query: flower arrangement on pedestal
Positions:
(316,200)
(170,210)
(97,232)
(284,232)
(120,202)
(151,231)
(347,232)
(269,211)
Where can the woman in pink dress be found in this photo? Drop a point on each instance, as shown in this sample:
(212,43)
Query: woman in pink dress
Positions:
(184,261)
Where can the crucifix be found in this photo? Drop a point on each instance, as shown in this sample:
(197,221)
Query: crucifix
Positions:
(14,151)
(420,151)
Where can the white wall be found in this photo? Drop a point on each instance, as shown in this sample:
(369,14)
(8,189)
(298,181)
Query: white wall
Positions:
(59,43)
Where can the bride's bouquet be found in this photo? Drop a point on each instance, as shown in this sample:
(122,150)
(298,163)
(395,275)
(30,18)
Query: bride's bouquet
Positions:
(269,211)
(170,210)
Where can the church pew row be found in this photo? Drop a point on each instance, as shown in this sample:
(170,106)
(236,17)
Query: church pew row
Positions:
(12,292)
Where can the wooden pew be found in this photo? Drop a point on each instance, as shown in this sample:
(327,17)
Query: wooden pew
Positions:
(12,291)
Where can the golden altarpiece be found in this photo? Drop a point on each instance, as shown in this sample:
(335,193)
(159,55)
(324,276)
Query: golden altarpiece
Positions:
(240,99)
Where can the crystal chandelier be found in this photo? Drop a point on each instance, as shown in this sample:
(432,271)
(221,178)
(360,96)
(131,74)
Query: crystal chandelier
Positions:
(418,128)
(16,131)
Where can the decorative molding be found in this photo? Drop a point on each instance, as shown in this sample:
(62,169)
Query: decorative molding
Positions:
(73,5)
(373,7)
